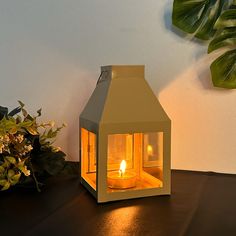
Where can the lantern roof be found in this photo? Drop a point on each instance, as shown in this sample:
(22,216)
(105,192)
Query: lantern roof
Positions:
(122,95)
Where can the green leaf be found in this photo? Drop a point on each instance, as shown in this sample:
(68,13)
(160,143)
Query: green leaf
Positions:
(51,162)
(8,124)
(6,164)
(27,123)
(223,70)
(71,168)
(12,160)
(10,173)
(6,186)
(204,18)
(21,165)
(15,111)
(197,16)
(24,112)
(3,182)
(226,38)
(3,112)
(2,169)
(227,19)
(18,119)
(21,104)
(32,130)
(29,117)
(206,30)
(39,112)
(15,179)
(187,14)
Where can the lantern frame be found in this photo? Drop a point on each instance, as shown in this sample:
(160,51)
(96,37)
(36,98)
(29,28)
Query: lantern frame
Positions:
(96,118)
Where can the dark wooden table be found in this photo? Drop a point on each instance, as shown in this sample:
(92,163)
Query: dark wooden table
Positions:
(201,204)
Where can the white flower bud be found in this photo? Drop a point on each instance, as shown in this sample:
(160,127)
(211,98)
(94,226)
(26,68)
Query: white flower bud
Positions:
(28,148)
(20,138)
(56,149)
(1,147)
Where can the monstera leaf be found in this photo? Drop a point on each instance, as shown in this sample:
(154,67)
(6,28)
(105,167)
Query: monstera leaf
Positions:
(223,70)
(213,20)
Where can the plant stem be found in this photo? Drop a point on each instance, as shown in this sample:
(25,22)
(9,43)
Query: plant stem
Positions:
(34,177)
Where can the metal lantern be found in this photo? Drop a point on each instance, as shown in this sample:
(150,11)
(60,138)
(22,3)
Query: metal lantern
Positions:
(125,138)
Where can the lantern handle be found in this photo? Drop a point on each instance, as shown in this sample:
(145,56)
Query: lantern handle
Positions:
(100,77)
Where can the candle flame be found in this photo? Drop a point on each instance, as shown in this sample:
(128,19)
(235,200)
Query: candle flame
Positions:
(149,150)
(122,168)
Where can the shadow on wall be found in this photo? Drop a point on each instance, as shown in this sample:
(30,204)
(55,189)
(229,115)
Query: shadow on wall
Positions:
(181,50)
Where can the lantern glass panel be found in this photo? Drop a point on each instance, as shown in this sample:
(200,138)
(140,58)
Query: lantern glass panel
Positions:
(134,161)
(153,154)
(120,147)
(88,156)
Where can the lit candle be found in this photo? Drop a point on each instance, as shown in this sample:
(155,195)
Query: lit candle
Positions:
(121,179)
(149,150)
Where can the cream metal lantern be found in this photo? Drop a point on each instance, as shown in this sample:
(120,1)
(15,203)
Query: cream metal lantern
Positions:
(124,138)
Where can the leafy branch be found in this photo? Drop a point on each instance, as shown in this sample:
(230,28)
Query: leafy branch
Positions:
(27,154)
(213,20)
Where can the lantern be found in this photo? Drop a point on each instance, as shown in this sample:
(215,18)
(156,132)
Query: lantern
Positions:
(124,138)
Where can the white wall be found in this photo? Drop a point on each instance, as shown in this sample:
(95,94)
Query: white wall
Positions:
(51,53)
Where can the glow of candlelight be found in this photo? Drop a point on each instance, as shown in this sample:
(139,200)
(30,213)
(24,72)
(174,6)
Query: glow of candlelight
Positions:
(149,150)
(122,168)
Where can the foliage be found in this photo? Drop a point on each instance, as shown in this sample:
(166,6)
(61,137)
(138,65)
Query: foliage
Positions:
(27,154)
(213,20)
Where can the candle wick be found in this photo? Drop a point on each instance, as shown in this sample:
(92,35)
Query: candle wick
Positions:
(121,173)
